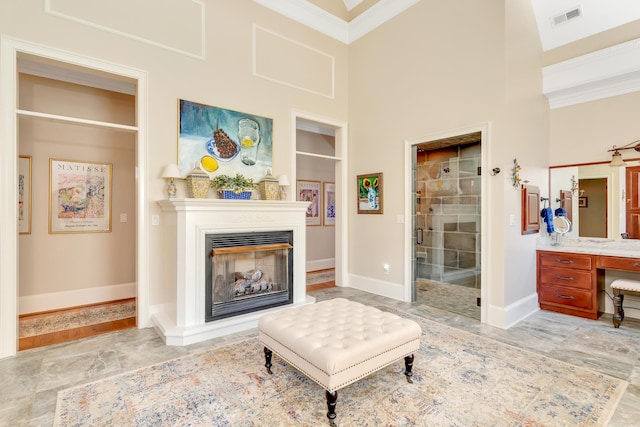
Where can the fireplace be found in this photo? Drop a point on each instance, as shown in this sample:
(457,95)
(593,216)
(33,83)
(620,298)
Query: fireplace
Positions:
(246,272)
(191,228)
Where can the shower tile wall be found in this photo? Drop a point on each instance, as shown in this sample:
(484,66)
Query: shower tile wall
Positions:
(448,216)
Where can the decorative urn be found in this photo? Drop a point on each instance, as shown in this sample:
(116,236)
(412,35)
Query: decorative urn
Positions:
(198,183)
(269,187)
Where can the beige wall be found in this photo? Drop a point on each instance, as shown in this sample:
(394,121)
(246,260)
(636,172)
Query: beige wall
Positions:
(583,133)
(419,74)
(222,77)
(51,263)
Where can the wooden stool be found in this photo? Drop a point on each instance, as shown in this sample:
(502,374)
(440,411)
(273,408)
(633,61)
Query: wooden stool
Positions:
(621,287)
(337,342)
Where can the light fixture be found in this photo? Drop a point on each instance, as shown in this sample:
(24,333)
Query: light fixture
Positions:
(616,157)
(283,181)
(171,172)
(574,186)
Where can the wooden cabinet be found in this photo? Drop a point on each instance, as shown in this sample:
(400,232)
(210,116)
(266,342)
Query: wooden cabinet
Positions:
(570,283)
(619,263)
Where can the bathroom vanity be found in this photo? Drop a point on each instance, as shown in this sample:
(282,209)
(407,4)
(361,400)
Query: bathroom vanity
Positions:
(571,275)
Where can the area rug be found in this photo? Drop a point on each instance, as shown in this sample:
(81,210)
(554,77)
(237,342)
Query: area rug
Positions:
(321,276)
(460,379)
(61,320)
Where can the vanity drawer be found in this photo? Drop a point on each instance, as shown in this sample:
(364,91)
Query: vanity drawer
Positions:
(565,296)
(619,263)
(566,277)
(562,259)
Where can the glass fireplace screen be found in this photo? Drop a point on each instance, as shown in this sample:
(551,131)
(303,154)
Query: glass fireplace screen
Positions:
(246,278)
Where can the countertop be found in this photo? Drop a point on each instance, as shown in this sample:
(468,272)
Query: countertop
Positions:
(628,248)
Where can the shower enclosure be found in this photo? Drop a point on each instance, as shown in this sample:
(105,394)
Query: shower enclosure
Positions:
(447,222)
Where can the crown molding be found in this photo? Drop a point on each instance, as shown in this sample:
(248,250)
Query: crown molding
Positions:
(310,15)
(608,72)
(351,4)
(320,20)
(377,15)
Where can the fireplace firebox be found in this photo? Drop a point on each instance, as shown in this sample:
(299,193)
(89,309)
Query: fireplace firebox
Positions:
(247,272)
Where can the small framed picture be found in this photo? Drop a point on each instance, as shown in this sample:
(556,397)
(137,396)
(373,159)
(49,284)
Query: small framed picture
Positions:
(24,194)
(309,191)
(329,197)
(370,196)
(79,197)
(583,202)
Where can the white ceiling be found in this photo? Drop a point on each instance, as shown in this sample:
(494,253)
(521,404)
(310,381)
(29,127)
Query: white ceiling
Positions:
(595,16)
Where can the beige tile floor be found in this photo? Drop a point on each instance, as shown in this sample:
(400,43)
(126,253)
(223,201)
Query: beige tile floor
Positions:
(32,378)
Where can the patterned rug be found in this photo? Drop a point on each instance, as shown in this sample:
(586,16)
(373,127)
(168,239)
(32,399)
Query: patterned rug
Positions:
(65,319)
(460,379)
(321,276)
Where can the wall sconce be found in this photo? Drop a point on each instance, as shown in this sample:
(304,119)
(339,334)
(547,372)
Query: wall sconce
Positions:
(574,185)
(171,172)
(616,157)
(283,181)
(516,181)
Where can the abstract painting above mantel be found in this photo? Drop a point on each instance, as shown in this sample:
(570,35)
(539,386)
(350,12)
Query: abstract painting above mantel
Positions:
(223,141)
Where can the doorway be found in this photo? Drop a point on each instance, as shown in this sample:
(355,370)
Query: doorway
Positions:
(12,50)
(321,153)
(447,223)
(592,207)
(632,202)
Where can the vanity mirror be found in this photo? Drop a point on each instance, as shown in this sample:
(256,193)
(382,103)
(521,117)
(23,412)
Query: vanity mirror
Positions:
(603,204)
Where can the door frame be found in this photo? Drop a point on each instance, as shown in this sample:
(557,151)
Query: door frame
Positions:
(341,227)
(10,49)
(485,202)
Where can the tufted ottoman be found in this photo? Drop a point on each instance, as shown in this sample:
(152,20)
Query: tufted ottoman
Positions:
(338,342)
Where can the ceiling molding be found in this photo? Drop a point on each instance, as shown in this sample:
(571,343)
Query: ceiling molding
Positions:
(310,15)
(608,72)
(351,4)
(377,15)
(320,20)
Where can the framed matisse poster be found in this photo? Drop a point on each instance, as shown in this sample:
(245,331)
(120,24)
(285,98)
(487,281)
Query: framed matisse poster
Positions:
(79,197)
(329,205)
(309,191)
(24,194)
(370,199)
(221,141)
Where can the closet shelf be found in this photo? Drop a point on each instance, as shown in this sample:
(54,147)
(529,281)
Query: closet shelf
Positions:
(67,119)
(322,156)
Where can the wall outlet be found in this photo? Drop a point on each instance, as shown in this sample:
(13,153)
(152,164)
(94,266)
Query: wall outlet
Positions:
(123,217)
(385,267)
(155,219)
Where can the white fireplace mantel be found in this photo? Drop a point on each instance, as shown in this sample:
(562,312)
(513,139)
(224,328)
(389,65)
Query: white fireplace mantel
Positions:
(185,223)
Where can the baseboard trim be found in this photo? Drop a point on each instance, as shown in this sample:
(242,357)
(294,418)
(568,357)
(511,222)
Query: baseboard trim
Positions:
(506,317)
(321,264)
(65,299)
(378,287)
